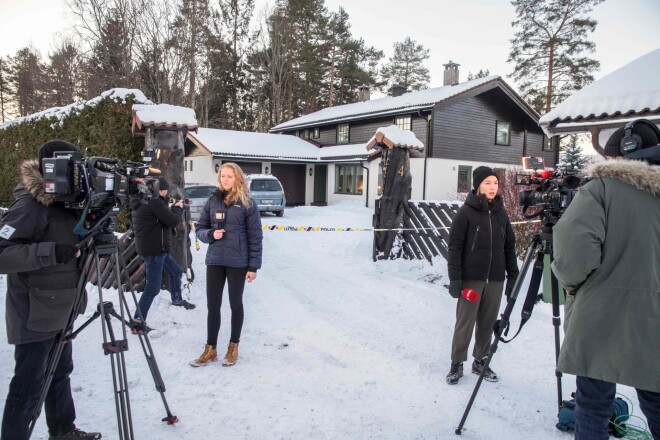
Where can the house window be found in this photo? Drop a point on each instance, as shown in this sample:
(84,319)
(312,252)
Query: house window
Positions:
(502,133)
(342,133)
(185,165)
(316,133)
(403,122)
(464,178)
(547,144)
(348,179)
(191,162)
(306,133)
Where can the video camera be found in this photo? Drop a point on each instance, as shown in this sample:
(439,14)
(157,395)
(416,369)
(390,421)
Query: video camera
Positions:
(96,185)
(555,191)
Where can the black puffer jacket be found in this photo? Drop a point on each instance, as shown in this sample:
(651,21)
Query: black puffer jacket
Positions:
(481,242)
(153,223)
(40,292)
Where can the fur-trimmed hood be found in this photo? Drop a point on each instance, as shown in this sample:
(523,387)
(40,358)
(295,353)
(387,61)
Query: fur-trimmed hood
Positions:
(636,173)
(32,182)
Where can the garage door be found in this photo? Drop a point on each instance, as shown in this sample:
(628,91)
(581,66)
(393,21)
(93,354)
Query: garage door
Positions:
(250,167)
(292,178)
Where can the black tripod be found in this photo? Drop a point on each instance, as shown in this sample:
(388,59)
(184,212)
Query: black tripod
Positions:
(103,243)
(541,245)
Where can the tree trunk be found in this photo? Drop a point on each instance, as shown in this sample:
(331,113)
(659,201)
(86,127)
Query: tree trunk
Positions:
(193,37)
(332,77)
(548,93)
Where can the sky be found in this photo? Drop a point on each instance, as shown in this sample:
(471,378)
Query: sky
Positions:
(334,346)
(473,33)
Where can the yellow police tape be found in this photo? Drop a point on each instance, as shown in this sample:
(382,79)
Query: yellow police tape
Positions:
(339,229)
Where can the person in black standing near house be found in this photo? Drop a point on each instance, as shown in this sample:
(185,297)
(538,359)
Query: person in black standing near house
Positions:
(481,250)
(230,223)
(153,223)
(38,254)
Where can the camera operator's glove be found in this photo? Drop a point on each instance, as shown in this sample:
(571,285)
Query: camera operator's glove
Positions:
(64,253)
(510,281)
(455,288)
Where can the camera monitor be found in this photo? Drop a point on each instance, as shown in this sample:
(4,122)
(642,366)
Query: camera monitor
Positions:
(533,163)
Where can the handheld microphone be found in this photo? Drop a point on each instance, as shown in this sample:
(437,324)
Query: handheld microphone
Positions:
(220,218)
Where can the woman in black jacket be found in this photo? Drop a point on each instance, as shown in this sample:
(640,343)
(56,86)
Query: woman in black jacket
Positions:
(231,225)
(481,250)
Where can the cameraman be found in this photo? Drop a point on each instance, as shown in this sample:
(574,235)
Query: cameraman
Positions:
(38,255)
(606,254)
(153,223)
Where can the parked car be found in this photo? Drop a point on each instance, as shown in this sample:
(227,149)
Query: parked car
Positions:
(267,192)
(196,195)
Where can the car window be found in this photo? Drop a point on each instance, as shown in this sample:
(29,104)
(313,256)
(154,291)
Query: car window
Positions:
(200,192)
(265,185)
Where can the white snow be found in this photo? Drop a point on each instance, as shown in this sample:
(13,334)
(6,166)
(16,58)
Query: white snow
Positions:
(634,88)
(411,101)
(266,145)
(165,114)
(60,113)
(334,346)
(399,137)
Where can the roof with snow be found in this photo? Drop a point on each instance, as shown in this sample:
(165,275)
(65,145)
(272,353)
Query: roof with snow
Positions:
(393,136)
(163,115)
(60,113)
(629,92)
(249,145)
(410,101)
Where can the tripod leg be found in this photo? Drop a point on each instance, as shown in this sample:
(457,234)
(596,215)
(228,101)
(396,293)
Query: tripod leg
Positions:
(556,322)
(501,326)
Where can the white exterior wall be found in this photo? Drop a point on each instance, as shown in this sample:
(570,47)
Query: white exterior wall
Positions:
(203,170)
(334,198)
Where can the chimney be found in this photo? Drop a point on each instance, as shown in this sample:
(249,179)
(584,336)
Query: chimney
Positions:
(451,74)
(364,93)
(398,90)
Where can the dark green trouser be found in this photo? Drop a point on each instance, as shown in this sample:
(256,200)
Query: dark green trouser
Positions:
(483,312)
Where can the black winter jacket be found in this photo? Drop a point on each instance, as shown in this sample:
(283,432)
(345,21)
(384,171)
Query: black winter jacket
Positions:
(241,244)
(153,223)
(40,293)
(481,242)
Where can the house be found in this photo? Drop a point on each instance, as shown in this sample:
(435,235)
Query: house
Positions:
(301,166)
(630,92)
(462,125)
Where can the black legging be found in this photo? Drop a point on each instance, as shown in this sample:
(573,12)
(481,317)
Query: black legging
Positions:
(215,284)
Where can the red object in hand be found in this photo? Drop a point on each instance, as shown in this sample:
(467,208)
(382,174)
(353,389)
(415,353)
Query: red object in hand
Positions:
(546,174)
(470,295)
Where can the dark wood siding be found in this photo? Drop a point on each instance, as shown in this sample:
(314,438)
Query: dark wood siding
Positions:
(465,129)
(292,178)
(535,148)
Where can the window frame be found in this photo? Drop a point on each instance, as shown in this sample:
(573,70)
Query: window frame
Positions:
(340,130)
(547,144)
(497,132)
(316,133)
(468,182)
(403,117)
(357,182)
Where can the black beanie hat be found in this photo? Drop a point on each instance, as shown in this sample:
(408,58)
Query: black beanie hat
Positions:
(646,133)
(49,148)
(479,174)
(163,184)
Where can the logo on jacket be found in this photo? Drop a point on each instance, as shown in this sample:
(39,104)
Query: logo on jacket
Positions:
(7,231)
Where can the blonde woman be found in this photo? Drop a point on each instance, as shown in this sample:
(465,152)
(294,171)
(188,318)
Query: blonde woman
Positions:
(231,225)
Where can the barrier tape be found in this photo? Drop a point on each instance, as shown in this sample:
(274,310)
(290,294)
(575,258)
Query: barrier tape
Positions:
(285,228)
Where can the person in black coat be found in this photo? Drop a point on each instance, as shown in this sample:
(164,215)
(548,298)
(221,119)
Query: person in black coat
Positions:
(230,223)
(38,254)
(481,251)
(153,223)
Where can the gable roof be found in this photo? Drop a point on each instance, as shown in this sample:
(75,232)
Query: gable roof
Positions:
(265,146)
(629,92)
(411,101)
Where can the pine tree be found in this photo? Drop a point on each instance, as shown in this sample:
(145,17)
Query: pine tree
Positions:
(27,80)
(549,49)
(65,73)
(406,66)
(572,157)
(5,90)
(480,74)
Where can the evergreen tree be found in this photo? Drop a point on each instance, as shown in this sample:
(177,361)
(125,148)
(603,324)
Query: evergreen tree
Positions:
(27,80)
(5,90)
(65,75)
(406,66)
(480,74)
(549,49)
(572,157)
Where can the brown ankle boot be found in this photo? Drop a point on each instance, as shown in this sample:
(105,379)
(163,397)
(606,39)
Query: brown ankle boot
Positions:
(232,354)
(210,355)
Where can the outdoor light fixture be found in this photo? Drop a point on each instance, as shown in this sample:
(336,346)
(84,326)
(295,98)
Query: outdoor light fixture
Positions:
(311,171)
(217,167)
(267,170)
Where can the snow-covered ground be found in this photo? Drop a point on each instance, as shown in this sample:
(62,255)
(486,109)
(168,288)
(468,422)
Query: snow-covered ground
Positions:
(334,346)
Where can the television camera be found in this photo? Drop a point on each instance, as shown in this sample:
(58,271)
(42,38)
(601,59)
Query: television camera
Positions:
(98,186)
(554,191)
